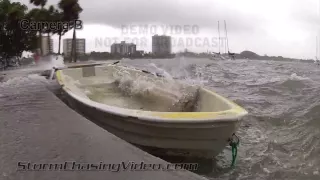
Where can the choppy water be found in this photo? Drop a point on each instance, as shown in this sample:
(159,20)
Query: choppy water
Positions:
(280,139)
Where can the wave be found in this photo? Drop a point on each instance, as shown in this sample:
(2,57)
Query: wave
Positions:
(295,82)
(17,81)
(292,81)
(294,76)
(263,81)
(313,111)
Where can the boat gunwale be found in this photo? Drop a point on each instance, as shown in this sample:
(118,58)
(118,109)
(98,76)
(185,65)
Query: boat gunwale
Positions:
(235,113)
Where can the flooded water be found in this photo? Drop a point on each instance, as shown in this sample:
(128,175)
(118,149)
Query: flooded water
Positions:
(280,139)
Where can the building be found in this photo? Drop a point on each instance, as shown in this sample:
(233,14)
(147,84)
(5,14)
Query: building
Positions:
(46,48)
(80,47)
(123,48)
(161,45)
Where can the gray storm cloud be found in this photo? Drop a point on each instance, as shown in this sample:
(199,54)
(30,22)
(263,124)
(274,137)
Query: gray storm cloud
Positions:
(202,13)
(286,27)
(122,12)
(117,13)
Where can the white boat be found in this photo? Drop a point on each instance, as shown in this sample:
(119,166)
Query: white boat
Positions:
(317,61)
(220,57)
(216,57)
(228,55)
(223,56)
(139,107)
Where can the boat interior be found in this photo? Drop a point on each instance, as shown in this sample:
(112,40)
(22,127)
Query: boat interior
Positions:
(130,88)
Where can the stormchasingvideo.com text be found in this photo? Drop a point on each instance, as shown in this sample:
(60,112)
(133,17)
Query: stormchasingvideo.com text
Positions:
(101,166)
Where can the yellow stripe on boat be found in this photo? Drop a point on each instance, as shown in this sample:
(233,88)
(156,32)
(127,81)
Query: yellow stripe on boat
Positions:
(200,115)
(58,76)
(235,112)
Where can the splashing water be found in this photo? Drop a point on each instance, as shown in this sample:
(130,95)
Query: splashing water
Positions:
(57,61)
(154,87)
(141,84)
(184,71)
(49,62)
(52,74)
(176,83)
(20,80)
(181,72)
(198,80)
(294,76)
(161,71)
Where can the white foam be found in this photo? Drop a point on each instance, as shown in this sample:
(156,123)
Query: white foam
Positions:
(49,62)
(20,80)
(294,76)
(161,71)
(145,84)
(180,71)
(266,170)
(57,61)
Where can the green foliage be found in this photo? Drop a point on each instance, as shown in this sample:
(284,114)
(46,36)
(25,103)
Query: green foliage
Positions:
(41,3)
(71,10)
(13,39)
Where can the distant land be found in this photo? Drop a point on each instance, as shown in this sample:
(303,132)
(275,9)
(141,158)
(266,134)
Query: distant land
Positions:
(243,55)
(252,55)
(246,55)
(108,56)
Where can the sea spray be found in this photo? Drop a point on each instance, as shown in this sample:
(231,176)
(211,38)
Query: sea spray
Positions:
(51,61)
(294,76)
(21,80)
(52,74)
(181,96)
(161,71)
(181,69)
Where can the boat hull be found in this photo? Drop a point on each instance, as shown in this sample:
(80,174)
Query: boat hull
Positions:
(204,140)
(203,131)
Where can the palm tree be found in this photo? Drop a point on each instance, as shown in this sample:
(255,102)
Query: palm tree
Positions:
(41,3)
(58,17)
(49,17)
(36,14)
(71,10)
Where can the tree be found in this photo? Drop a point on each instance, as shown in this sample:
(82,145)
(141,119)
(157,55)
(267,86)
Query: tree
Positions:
(37,15)
(41,3)
(71,10)
(58,17)
(49,15)
(14,40)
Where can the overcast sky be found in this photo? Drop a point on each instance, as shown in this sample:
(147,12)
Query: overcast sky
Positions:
(272,27)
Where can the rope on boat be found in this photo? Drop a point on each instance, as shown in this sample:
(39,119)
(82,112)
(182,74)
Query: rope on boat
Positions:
(234,143)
